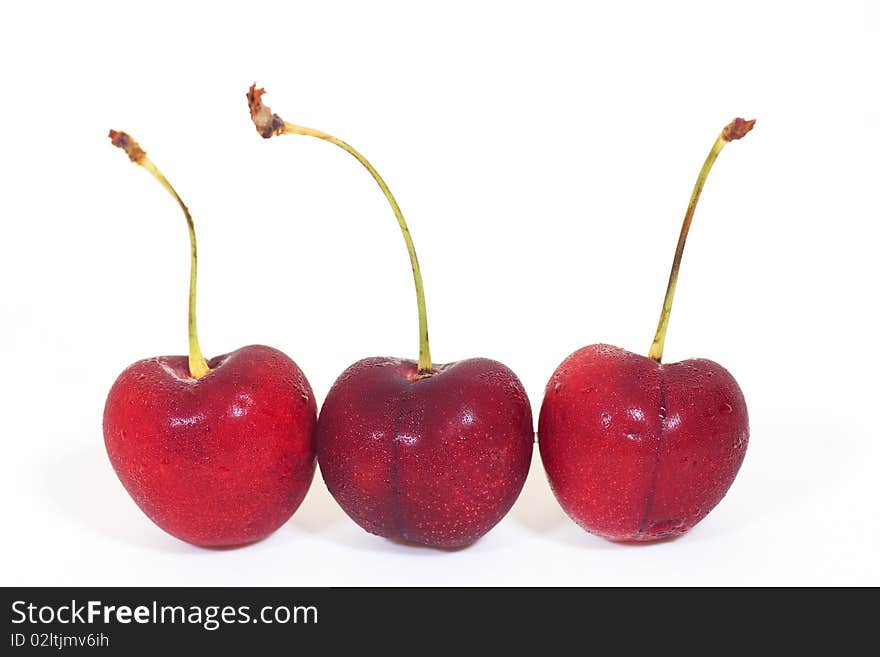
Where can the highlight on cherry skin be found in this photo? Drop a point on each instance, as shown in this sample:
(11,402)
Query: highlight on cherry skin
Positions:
(635,449)
(217,452)
(413,450)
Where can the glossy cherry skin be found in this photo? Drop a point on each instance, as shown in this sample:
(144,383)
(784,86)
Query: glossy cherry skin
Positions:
(220,461)
(437,460)
(638,451)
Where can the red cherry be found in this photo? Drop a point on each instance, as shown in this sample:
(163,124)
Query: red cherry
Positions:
(636,450)
(433,454)
(437,460)
(217,453)
(218,461)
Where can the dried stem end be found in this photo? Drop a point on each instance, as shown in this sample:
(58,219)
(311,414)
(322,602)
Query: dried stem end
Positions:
(124,141)
(266,123)
(737,129)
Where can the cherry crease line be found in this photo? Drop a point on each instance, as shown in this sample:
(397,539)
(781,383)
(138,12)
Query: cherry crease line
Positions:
(394,473)
(649,500)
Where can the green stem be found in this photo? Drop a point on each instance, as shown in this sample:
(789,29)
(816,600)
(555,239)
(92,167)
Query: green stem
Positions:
(737,129)
(425,365)
(198,366)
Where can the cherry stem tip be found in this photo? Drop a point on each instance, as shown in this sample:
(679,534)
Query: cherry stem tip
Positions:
(266,123)
(124,141)
(737,129)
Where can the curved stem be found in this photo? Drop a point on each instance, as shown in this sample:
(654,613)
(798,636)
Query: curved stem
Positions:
(424,349)
(198,366)
(737,129)
(269,124)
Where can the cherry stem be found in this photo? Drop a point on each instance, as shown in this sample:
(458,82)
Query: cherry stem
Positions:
(736,129)
(198,367)
(269,124)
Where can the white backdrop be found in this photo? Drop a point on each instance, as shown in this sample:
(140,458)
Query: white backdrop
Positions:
(543,154)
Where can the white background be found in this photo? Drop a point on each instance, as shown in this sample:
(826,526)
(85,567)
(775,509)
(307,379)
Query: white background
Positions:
(543,154)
